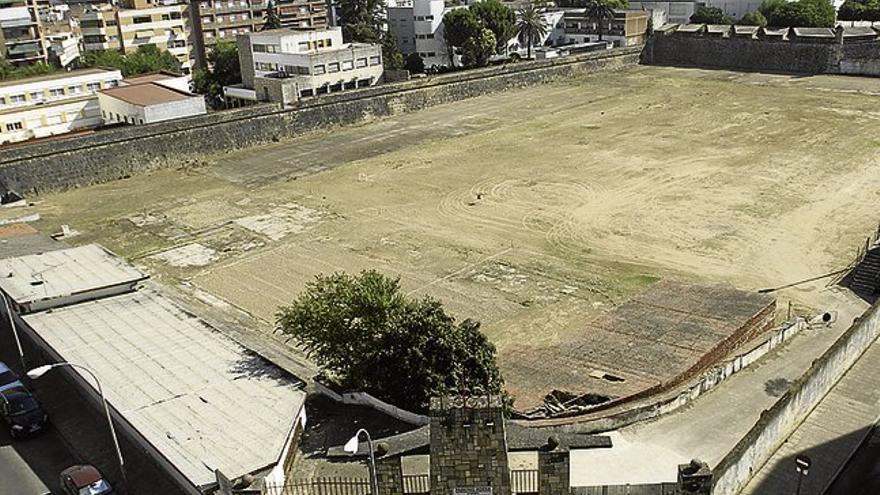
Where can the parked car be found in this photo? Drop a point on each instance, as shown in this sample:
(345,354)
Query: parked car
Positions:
(22,412)
(8,379)
(84,479)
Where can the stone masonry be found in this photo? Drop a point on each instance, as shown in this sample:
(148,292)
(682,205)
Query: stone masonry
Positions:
(389,474)
(468,447)
(553,471)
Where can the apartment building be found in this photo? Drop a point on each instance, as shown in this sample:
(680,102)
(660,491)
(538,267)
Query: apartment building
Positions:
(417,26)
(54,104)
(134,23)
(21,34)
(284,65)
(225,19)
(150,98)
(627,28)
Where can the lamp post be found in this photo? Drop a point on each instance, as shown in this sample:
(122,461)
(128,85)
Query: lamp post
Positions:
(42,370)
(14,329)
(351,446)
(802,464)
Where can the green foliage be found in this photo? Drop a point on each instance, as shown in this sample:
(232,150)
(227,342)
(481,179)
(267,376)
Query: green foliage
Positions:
(414,64)
(859,10)
(9,71)
(223,70)
(753,19)
(531,28)
(392,59)
(273,20)
(803,13)
(146,59)
(498,18)
(710,15)
(477,49)
(614,4)
(361,20)
(369,336)
(459,25)
(601,12)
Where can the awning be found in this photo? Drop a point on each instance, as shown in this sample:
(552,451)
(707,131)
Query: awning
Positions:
(143,34)
(24,48)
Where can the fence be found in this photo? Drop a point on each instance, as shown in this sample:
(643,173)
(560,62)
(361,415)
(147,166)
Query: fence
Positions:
(324,486)
(652,489)
(524,481)
(861,252)
(416,483)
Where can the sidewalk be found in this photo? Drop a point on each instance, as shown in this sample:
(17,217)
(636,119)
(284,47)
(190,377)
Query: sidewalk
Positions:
(829,435)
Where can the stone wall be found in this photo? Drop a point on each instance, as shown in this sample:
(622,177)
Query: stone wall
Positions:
(117,153)
(778,422)
(796,56)
(389,475)
(553,472)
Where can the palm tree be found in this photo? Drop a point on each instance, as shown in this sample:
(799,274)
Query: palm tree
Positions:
(531,28)
(599,11)
(272,19)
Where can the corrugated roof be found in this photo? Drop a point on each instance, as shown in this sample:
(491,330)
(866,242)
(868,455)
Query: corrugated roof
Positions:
(59,277)
(146,94)
(199,398)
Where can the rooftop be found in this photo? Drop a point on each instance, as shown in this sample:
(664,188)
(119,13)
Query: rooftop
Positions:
(54,278)
(56,75)
(202,400)
(149,93)
(151,77)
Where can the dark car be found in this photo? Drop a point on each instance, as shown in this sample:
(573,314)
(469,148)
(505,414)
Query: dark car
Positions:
(8,379)
(84,480)
(22,412)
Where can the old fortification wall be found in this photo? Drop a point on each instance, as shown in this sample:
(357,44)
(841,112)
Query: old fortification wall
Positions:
(126,151)
(828,55)
(778,422)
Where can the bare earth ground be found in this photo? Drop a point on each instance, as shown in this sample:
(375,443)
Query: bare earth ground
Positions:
(532,210)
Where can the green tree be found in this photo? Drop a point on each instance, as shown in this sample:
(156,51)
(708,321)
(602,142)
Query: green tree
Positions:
(459,25)
(361,20)
(367,335)
(753,19)
(223,70)
(710,15)
(531,28)
(803,13)
(768,6)
(10,72)
(392,59)
(273,20)
(414,64)
(600,12)
(147,58)
(498,18)
(104,58)
(477,49)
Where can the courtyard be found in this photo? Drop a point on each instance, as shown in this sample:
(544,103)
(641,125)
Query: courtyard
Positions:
(533,211)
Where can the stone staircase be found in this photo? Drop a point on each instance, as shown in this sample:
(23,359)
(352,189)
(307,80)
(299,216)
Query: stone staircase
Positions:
(866,276)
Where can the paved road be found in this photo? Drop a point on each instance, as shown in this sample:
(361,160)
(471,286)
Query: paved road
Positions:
(862,474)
(31,466)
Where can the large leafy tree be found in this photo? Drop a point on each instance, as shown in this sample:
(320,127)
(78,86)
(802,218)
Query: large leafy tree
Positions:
(147,58)
(600,12)
(459,25)
(223,70)
(710,15)
(859,10)
(9,71)
(367,335)
(477,49)
(755,18)
(392,59)
(531,28)
(498,18)
(361,20)
(414,63)
(802,13)
(273,20)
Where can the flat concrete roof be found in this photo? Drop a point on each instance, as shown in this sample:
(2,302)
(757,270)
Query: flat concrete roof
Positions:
(55,278)
(56,75)
(19,239)
(200,399)
(146,94)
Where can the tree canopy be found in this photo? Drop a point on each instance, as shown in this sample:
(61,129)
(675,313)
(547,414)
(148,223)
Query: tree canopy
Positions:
(498,18)
(9,71)
(755,18)
(600,12)
(392,59)
(477,49)
(223,70)
(147,58)
(710,15)
(361,20)
(531,28)
(802,13)
(273,20)
(859,10)
(414,64)
(366,334)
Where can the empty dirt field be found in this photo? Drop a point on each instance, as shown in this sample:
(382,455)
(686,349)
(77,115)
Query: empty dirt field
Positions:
(531,210)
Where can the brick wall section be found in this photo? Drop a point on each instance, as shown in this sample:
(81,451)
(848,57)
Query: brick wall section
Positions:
(123,152)
(389,475)
(553,472)
(468,447)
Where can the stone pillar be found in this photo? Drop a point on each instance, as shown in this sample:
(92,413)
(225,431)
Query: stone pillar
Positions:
(389,475)
(468,447)
(553,471)
(694,478)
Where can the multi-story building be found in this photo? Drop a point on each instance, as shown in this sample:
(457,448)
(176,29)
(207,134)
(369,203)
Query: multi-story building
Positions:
(283,65)
(134,23)
(225,19)
(675,11)
(55,104)
(149,98)
(21,35)
(417,26)
(627,28)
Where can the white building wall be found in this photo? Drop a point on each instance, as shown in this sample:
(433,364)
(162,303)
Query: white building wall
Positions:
(174,110)
(114,111)
(676,12)
(49,120)
(735,8)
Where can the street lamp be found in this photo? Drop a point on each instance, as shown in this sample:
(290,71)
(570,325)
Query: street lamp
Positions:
(14,329)
(802,464)
(42,370)
(351,446)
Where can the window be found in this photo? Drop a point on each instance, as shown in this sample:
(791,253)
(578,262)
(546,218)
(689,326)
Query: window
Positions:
(432,54)
(209,34)
(219,18)
(37,96)
(206,19)
(375,61)
(420,18)
(333,67)
(347,65)
(111,22)
(93,87)
(74,90)
(318,70)
(175,15)
(303,46)
(166,17)
(361,62)
(429,18)
(14,126)
(142,19)
(103,114)
(429,36)
(17,99)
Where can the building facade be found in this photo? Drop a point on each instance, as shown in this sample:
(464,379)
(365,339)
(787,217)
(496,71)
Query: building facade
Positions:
(50,105)
(628,28)
(417,26)
(21,35)
(675,12)
(148,102)
(283,65)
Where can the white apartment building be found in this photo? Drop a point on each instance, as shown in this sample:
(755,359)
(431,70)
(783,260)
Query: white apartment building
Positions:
(64,48)
(555,34)
(148,102)
(21,33)
(676,12)
(417,26)
(283,65)
(55,104)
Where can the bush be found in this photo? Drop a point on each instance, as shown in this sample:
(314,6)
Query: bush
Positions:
(710,15)
(414,64)
(803,13)
(753,19)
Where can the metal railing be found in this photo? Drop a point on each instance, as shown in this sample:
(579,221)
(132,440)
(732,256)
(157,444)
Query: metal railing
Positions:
(524,481)
(324,486)
(416,483)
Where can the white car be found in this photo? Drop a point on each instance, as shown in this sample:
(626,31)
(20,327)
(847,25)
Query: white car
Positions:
(8,379)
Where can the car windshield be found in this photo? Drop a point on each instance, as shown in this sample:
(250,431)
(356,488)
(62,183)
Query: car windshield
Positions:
(22,406)
(99,487)
(7,377)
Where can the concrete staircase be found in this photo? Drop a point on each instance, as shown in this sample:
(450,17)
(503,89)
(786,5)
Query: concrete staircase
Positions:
(866,276)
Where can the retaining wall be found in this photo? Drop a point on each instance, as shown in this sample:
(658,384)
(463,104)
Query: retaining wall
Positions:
(118,153)
(778,422)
